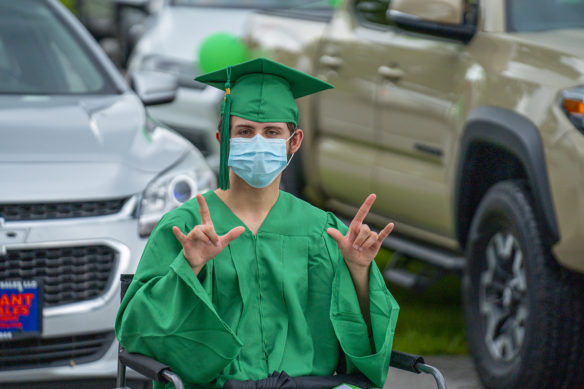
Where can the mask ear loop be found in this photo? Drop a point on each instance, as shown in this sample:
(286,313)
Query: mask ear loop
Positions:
(292,156)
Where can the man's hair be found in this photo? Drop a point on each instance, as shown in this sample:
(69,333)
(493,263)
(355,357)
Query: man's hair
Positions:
(291,126)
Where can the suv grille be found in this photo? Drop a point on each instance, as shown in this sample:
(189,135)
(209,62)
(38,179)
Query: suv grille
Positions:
(67,350)
(68,274)
(43,211)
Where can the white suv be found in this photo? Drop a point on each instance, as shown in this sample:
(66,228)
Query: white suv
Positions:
(84,177)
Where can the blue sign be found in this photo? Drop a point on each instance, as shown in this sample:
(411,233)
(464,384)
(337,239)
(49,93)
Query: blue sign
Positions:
(20,309)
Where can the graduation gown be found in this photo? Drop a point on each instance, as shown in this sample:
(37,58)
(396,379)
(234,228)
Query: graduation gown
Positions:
(282,299)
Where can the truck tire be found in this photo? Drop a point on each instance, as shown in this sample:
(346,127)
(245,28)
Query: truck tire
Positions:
(524,313)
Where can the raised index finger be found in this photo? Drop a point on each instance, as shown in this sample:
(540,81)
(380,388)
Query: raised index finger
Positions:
(363,211)
(204,210)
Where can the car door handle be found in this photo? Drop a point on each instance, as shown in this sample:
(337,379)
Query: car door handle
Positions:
(330,61)
(391,73)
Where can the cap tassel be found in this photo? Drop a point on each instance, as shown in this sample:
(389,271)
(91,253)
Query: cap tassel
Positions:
(224,134)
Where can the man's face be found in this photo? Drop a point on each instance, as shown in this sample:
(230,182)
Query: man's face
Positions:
(243,128)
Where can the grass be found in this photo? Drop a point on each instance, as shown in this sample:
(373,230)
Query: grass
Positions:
(430,322)
(69,4)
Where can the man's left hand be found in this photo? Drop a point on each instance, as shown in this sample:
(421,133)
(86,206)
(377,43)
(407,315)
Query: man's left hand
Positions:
(360,246)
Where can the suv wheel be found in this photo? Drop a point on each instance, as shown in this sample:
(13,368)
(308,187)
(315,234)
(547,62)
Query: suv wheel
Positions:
(524,313)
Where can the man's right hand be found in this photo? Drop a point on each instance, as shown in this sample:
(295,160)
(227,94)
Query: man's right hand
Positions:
(203,244)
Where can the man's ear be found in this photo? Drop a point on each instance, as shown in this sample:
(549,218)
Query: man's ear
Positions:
(296,141)
(218,137)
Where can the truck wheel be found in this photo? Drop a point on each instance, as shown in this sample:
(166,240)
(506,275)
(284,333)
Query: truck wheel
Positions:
(523,312)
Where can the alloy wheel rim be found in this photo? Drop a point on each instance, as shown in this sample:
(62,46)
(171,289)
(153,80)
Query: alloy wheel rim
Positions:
(503,297)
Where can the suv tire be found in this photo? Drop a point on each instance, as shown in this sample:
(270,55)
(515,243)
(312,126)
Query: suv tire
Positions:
(524,313)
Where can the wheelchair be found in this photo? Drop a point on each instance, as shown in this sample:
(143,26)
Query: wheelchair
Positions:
(161,373)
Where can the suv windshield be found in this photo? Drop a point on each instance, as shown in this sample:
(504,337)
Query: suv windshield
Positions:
(244,3)
(39,55)
(540,15)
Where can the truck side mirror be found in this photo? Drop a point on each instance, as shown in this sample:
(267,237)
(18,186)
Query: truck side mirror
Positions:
(154,88)
(444,18)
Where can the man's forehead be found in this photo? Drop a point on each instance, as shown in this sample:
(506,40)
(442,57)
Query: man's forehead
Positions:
(237,121)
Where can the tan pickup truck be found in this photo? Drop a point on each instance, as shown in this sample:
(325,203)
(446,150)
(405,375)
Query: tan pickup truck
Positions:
(466,118)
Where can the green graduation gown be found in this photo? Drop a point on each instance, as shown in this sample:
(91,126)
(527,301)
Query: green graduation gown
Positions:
(282,299)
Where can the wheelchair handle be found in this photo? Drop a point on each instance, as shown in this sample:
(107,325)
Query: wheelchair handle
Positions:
(174,378)
(144,365)
(438,377)
(416,364)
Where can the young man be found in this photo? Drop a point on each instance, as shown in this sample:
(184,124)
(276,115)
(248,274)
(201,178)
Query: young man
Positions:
(247,280)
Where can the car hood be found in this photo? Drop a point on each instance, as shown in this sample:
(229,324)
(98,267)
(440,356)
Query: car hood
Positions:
(179,31)
(62,147)
(568,41)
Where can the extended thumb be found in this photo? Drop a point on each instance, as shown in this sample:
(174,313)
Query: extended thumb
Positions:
(335,234)
(179,234)
(234,234)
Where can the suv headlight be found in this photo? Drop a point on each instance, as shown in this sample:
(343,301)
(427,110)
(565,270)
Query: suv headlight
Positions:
(180,183)
(573,106)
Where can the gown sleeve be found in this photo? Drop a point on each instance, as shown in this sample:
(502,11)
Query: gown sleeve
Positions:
(347,320)
(167,312)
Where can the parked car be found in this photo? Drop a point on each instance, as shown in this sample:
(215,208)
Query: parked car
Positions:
(116,24)
(466,119)
(171,44)
(84,177)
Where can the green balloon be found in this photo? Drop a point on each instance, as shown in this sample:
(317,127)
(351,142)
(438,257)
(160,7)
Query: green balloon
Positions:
(221,50)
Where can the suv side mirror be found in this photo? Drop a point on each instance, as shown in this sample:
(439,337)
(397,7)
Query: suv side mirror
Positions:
(154,87)
(452,19)
(141,5)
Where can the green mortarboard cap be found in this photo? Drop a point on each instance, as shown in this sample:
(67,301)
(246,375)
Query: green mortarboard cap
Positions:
(260,90)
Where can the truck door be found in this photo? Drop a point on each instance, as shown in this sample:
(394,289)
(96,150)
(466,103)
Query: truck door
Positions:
(348,133)
(420,106)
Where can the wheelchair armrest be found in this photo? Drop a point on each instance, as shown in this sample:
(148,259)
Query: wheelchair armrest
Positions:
(148,367)
(405,361)
(416,364)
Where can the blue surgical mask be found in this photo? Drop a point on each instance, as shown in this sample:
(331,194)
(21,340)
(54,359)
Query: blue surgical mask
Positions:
(258,160)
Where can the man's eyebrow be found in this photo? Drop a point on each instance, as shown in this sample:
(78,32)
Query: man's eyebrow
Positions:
(250,127)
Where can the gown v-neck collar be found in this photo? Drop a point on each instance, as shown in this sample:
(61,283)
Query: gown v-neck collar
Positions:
(236,220)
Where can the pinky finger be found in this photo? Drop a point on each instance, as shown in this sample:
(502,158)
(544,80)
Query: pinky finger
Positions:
(385,232)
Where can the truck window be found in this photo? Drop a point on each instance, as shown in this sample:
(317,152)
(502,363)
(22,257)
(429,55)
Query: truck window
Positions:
(541,15)
(471,12)
(372,11)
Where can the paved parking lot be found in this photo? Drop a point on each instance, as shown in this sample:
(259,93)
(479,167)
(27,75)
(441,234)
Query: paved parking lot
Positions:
(458,372)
